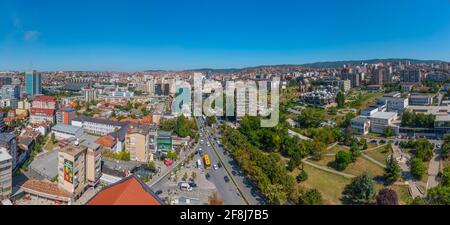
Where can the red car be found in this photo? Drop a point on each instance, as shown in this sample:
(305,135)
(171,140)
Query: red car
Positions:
(168,162)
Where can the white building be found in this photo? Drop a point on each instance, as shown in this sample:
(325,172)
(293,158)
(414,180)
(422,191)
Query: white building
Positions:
(382,120)
(63,131)
(360,125)
(5,174)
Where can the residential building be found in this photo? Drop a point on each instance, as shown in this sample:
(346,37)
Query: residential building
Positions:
(97,126)
(137,142)
(9,102)
(72,169)
(10,91)
(6,166)
(93,159)
(438,76)
(8,142)
(412,75)
(33,83)
(43,108)
(89,94)
(381,76)
(5,81)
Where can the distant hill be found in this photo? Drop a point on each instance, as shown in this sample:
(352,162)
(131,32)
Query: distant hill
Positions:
(317,65)
(334,64)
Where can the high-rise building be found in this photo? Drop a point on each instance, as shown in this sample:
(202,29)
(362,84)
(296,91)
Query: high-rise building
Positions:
(411,75)
(33,83)
(5,174)
(353,77)
(10,91)
(137,142)
(5,81)
(381,76)
(90,94)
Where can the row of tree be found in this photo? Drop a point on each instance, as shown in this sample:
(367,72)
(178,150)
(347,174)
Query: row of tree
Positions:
(412,119)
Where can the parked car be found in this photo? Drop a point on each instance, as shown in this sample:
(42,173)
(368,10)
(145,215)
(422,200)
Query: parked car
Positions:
(226,178)
(207,176)
(193,185)
(158,192)
(215,167)
(234,173)
(219,165)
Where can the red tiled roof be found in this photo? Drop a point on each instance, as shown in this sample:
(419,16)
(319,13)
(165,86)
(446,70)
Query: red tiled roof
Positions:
(48,112)
(45,187)
(129,191)
(45,98)
(106,141)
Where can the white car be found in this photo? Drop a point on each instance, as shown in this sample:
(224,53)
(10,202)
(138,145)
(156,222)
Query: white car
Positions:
(215,167)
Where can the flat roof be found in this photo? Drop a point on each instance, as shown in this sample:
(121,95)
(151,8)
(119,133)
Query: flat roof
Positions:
(384,115)
(66,128)
(73,150)
(4,155)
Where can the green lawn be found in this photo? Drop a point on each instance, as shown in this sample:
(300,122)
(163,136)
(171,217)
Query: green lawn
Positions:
(329,185)
(356,168)
(336,149)
(379,154)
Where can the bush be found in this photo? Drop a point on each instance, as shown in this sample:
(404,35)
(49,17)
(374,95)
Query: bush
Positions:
(418,168)
(342,159)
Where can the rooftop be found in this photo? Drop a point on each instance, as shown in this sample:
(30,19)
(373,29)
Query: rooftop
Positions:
(128,191)
(4,155)
(73,150)
(66,128)
(384,115)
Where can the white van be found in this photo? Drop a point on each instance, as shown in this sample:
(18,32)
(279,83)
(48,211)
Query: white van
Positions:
(199,163)
(185,187)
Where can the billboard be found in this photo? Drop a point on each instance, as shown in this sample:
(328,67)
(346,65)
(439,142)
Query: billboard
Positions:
(68,171)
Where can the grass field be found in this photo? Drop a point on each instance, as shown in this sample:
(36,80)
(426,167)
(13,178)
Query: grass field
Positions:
(329,185)
(337,148)
(379,154)
(356,168)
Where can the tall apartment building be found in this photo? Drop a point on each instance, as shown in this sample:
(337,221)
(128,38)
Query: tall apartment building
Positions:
(5,81)
(89,94)
(8,142)
(412,75)
(381,76)
(353,77)
(5,174)
(79,166)
(10,91)
(33,83)
(137,142)
(65,116)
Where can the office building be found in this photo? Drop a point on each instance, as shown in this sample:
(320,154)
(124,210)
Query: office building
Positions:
(421,100)
(33,83)
(360,125)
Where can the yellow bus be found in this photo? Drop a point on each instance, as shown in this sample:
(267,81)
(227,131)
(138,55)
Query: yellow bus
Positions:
(207,161)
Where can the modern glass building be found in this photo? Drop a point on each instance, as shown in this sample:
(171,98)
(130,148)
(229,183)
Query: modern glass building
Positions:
(33,83)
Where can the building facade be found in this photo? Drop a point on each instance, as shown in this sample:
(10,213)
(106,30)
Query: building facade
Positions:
(33,83)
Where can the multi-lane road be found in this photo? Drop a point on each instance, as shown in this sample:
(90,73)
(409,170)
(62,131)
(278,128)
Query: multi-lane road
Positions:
(247,190)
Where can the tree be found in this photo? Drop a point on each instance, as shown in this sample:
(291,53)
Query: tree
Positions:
(392,172)
(194,175)
(214,199)
(418,168)
(423,149)
(210,120)
(172,155)
(354,152)
(53,138)
(360,191)
(387,196)
(418,201)
(445,176)
(185,176)
(310,117)
(151,165)
(439,195)
(310,197)
(302,176)
(388,132)
(342,159)
(294,162)
(316,148)
(340,99)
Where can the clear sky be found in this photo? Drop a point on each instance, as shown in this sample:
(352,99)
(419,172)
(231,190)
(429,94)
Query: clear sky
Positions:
(132,35)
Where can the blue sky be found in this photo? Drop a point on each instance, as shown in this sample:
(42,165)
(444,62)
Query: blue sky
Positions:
(137,35)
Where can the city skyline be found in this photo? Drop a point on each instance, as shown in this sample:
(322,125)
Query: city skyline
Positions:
(181,35)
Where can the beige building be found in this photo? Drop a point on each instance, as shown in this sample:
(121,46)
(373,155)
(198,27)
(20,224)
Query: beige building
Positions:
(79,166)
(5,175)
(138,141)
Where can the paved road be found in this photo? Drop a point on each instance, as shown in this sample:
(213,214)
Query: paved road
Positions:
(246,187)
(433,169)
